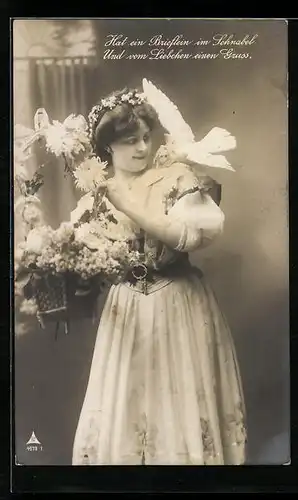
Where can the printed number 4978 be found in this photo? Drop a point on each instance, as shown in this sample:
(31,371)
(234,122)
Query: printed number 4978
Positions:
(34,448)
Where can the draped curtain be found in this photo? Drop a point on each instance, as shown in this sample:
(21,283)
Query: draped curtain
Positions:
(61,86)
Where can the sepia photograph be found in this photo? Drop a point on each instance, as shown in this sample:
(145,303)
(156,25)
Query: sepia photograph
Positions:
(151,287)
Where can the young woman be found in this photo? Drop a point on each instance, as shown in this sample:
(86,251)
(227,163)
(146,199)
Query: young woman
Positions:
(164,385)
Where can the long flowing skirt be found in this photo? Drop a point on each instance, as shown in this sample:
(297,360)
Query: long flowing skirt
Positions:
(164,385)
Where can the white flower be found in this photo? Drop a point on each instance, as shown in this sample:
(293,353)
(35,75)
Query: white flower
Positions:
(22,133)
(90,174)
(38,238)
(32,213)
(22,328)
(125,97)
(28,306)
(19,253)
(20,172)
(89,235)
(74,122)
(93,115)
(84,204)
(48,258)
(118,250)
(63,140)
(110,102)
(58,139)
(18,258)
(64,232)
(117,232)
(18,289)
(23,200)
(20,156)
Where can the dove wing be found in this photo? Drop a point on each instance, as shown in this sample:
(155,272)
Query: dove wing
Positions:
(204,151)
(217,141)
(168,114)
(209,160)
(196,155)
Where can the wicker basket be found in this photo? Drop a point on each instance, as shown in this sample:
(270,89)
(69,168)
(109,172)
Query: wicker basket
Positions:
(82,297)
(60,298)
(50,292)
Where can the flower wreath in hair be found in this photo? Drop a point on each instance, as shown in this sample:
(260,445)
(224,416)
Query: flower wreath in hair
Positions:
(131,97)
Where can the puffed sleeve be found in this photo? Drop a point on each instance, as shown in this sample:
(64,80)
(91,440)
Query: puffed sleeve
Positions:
(193,209)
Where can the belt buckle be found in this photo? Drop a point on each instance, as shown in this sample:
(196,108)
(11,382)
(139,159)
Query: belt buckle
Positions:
(140,272)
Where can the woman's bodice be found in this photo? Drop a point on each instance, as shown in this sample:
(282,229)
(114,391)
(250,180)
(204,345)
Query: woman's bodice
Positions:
(154,253)
(157,191)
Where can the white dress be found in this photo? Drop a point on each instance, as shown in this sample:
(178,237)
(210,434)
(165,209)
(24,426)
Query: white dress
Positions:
(164,385)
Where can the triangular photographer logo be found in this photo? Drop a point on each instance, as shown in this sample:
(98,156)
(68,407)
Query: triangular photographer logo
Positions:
(33,439)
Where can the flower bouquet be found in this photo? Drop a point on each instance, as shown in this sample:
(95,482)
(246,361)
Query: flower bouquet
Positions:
(60,268)
(60,272)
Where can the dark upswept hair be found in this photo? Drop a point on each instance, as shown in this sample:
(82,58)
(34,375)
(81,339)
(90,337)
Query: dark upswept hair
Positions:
(122,120)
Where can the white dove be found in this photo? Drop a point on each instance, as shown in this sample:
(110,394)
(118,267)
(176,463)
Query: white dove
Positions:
(181,144)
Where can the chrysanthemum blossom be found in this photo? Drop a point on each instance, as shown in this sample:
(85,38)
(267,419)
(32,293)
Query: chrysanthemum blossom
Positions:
(62,140)
(90,174)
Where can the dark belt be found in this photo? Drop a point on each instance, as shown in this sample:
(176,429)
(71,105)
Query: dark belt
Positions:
(147,275)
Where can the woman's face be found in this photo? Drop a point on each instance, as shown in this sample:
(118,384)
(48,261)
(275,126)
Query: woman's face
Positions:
(131,152)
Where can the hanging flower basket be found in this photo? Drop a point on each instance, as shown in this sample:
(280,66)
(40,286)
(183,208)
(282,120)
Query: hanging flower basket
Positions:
(63,297)
(82,295)
(50,293)
(60,272)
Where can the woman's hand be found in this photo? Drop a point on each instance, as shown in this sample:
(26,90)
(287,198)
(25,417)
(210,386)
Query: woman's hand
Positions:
(157,225)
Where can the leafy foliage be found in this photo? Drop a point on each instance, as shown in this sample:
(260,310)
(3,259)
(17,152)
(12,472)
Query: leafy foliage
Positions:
(33,185)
